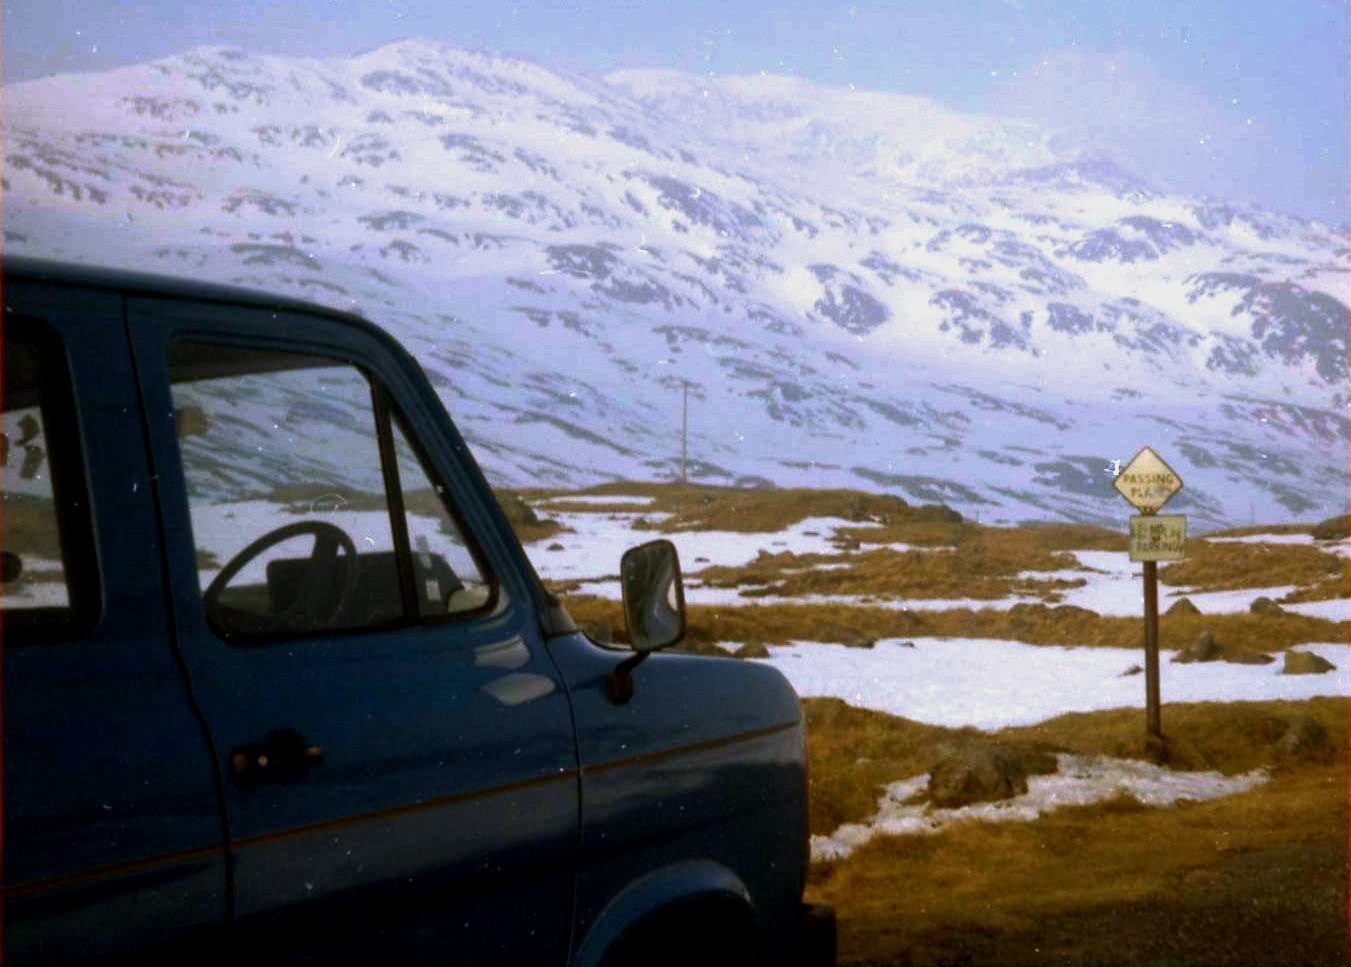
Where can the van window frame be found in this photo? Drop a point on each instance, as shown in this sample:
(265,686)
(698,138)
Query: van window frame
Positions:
(386,414)
(68,470)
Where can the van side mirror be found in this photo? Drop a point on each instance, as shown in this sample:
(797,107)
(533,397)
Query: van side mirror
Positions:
(654,596)
(654,607)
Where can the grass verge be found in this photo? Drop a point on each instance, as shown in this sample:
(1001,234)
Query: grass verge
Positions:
(1227,567)
(699,507)
(971,570)
(952,896)
(1032,623)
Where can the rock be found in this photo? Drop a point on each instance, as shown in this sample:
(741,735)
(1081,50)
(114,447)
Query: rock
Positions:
(516,509)
(977,773)
(751,649)
(1305,663)
(1241,656)
(1305,738)
(847,636)
(907,644)
(555,546)
(701,560)
(1266,606)
(1133,670)
(1183,606)
(1202,649)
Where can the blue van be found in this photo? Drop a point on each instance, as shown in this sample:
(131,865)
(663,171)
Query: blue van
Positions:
(280,684)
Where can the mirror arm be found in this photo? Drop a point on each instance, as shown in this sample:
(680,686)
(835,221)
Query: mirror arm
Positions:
(619,683)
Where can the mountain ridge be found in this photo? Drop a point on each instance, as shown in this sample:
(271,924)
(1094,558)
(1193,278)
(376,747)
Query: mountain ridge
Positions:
(563,257)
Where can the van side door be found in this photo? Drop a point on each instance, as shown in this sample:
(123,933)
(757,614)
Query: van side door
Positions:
(395,745)
(113,837)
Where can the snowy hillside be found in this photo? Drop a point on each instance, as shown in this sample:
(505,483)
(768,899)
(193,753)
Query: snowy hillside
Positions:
(860,289)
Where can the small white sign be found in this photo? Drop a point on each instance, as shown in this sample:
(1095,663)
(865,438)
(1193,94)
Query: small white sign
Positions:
(1158,537)
(1147,482)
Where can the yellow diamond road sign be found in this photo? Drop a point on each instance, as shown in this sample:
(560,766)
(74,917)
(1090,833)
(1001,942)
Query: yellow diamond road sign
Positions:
(1147,482)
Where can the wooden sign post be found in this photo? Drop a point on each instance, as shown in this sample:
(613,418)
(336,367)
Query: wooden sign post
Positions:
(1148,483)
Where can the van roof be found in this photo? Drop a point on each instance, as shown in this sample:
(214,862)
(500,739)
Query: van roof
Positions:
(147,283)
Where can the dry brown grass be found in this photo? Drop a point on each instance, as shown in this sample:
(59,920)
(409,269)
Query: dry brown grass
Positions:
(528,532)
(1033,624)
(28,527)
(1028,540)
(1253,529)
(1228,737)
(976,568)
(752,511)
(586,507)
(1326,590)
(936,898)
(1225,567)
(853,752)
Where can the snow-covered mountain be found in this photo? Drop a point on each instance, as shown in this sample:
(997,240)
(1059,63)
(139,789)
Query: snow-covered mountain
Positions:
(860,289)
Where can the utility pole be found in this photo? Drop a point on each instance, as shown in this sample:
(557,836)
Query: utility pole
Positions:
(684,427)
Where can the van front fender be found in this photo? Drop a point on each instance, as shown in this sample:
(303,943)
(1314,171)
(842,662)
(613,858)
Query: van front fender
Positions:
(694,886)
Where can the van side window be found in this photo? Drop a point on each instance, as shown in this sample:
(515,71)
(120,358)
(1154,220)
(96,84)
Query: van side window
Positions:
(48,583)
(300,520)
(444,558)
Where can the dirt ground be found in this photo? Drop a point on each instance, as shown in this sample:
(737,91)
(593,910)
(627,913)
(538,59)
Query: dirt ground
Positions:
(1278,906)
(1286,905)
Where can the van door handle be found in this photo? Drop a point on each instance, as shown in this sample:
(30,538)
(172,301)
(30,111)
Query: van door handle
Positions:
(283,756)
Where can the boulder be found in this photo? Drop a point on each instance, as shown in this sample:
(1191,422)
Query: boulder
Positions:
(555,546)
(1266,606)
(1305,663)
(1203,648)
(516,509)
(1305,738)
(752,649)
(978,772)
(849,637)
(1183,606)
(1133,670)
(1241,656)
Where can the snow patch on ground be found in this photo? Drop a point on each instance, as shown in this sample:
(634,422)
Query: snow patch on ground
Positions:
(604,500)
(992,683)
(1113,587)
(1336,609)
(598,541)
(1081,780)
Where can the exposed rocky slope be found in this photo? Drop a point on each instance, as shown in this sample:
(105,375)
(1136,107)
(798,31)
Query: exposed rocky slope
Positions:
(860,289)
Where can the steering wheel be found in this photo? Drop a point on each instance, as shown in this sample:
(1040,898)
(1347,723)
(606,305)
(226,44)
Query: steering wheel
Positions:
(314,607)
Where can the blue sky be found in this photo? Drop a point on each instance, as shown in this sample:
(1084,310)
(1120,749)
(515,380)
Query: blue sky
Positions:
(1243,100)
